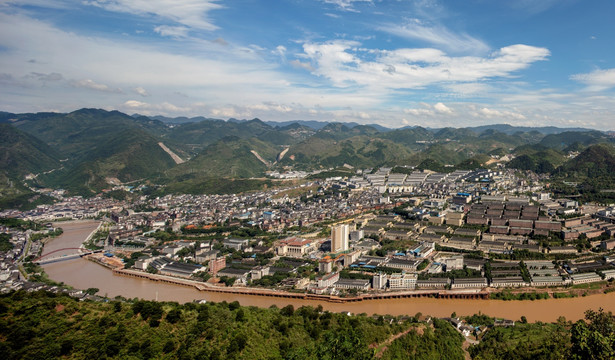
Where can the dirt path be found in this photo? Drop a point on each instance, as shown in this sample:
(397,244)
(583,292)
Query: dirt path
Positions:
(173,155)
(465,347)
(384,345)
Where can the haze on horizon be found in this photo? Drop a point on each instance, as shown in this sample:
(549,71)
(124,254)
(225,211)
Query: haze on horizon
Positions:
(395,63)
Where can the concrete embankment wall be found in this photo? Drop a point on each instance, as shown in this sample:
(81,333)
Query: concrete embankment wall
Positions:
(303,296)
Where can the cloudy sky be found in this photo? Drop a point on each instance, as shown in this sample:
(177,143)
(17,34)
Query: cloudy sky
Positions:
(389,62)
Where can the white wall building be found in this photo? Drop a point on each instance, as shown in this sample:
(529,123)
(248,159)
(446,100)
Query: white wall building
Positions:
(339,238)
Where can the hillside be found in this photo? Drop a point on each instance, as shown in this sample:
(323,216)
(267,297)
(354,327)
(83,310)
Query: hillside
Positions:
(537,158)
(325,151)
(228,157)
(199,135)
(510,130)
(99,147)
(22,154)
(565,139)
(43,325)
(98,144)
(592,170)
(594,162)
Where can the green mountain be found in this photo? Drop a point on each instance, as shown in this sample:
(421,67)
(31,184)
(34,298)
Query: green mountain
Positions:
(99,148)
(230,157)
(455,134)
(568,138)
(99,145)
(324,151)
(409,136)
(597,161)
(537,158)
(22,154)
(592,171)
(201,134)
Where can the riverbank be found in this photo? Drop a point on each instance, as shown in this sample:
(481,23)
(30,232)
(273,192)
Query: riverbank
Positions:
(201,286)
(84,274)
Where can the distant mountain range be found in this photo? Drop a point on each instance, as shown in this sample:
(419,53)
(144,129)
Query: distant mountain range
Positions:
(89,150)
(317,125)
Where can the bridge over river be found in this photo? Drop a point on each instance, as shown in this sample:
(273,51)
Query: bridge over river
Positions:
(70,244)
(63,254)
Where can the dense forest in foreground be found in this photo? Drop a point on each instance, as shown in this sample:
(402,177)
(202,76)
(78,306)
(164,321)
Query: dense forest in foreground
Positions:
(42,325)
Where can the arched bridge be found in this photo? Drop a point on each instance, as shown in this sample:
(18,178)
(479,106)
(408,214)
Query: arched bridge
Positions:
(58,250)
(46,258)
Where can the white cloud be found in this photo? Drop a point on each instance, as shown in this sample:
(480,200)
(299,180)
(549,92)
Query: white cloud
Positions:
(468,89)
(363,115)
(192,13)
(280,50)
(141,91)
(140,64)
(335,16)
(346,5)
(498,114)
(172,31)
(344,80)
(427,110)
(597,80)
(92,85)
(436,35)
(344,63)
(533,7)
(301,65)
(47,77)
(153,109)
(442,109)
(270,106)
(220,41)
(135,104)
(419,112)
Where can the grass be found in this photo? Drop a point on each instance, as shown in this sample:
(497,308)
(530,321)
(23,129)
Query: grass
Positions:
(297,192)
(590,286)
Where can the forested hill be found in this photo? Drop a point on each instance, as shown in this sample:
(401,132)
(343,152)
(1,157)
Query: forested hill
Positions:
(46,326)
(90,150)
(43,326)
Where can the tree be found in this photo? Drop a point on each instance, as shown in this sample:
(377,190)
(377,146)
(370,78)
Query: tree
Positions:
(240,316)
(596,339)
(91,291)
(287,310)
(168,346)
(343,344)
(174,316)
(228,281)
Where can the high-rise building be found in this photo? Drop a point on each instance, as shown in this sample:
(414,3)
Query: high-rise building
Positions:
(216,265)
(357,235)
(339,238)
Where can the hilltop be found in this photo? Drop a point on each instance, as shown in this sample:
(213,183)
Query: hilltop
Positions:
(89,150)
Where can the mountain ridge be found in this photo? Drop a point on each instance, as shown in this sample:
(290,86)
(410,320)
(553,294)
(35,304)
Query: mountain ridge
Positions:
(98,145)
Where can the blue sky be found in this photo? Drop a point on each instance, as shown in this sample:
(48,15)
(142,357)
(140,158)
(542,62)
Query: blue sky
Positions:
(390,62)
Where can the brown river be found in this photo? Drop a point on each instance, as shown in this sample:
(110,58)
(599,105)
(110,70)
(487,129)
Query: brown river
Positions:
(83,274)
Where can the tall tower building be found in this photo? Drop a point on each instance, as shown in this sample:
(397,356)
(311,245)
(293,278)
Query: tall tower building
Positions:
(339,238)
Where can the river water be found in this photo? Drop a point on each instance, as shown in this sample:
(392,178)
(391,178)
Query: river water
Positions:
(83,274)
